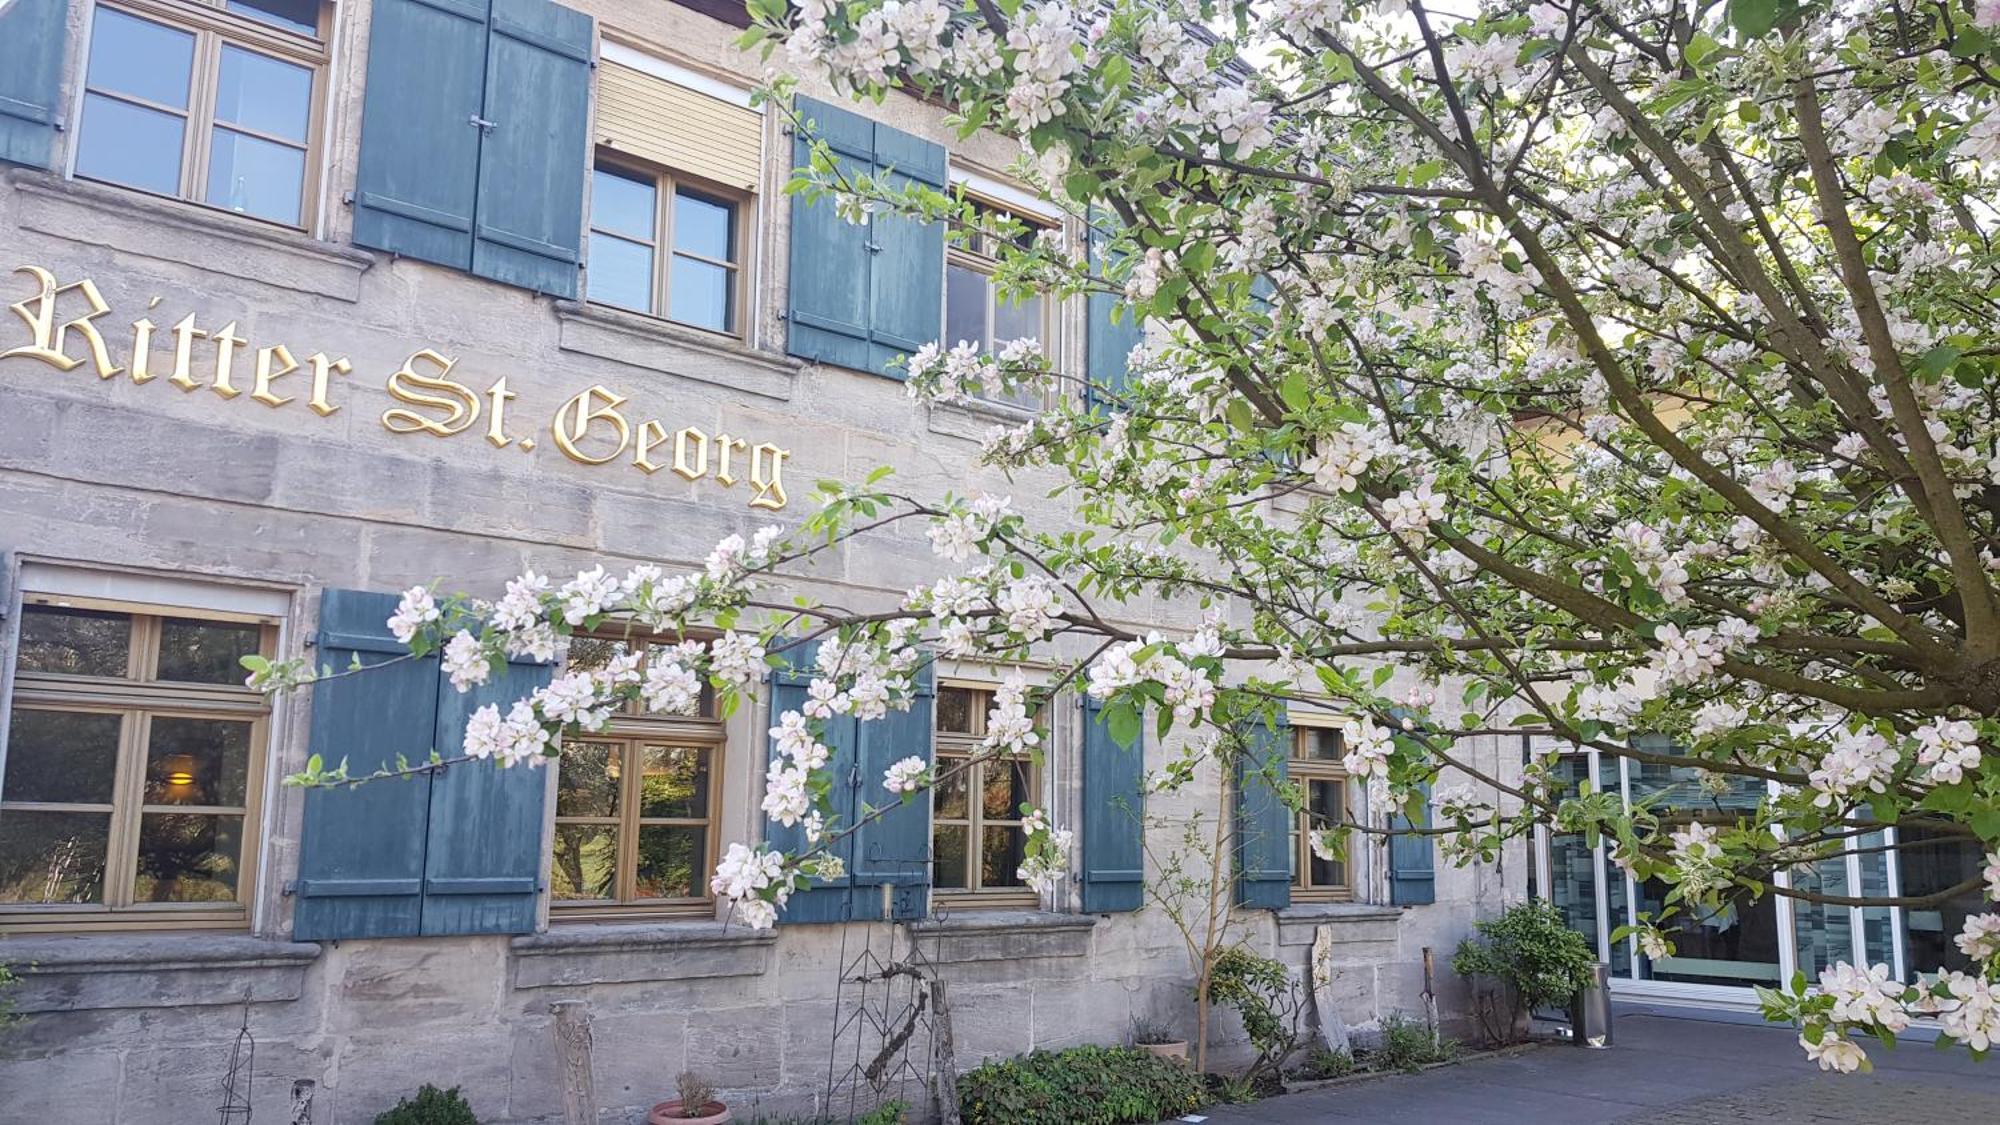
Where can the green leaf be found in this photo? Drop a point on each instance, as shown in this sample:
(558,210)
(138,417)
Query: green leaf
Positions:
(1754,19)
(1937,361)
(1240,416)
(1121,721)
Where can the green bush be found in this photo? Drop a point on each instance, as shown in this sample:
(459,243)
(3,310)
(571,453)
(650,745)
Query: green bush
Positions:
(1534,951)
(1271,1003)
(1079,1086)
(431,1106)
(1407,1046)
(1322,1063)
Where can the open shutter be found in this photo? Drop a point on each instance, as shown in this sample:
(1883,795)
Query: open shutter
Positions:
(529,219)
(895,848)
(361,853)
(418,177)
(1412,861)
(1107,342)
(1114,828)
(1263,822)
(907,280)
(830,261)
(31,58)
(827,900)
(861,295)
(483,855)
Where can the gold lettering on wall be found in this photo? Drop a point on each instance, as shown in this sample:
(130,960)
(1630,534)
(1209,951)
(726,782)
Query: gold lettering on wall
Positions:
(63,333)
(458,403)
(573,423)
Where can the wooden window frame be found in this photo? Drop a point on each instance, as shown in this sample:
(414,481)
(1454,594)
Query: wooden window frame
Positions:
(1303,771)
(961,744)
(666,186)
(631,731)
(213,27)
(138,698)
(981,262)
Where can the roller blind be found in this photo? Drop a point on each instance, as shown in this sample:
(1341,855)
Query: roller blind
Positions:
(676,127)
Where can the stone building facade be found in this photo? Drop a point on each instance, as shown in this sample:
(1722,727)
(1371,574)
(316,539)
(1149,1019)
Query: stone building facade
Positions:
(280,410)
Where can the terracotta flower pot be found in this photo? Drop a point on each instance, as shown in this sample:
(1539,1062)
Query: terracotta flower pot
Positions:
(1176,1051)
(669,1113)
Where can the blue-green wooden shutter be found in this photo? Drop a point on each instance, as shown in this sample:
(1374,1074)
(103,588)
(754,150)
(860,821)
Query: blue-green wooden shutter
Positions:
(1114,803)
(1263,821)
(361,852)
(1412,861)
(31,57)
(528,222)
(483,853)
(862,294)
(827,900)
(1107,341)
(895,848)
(418,179)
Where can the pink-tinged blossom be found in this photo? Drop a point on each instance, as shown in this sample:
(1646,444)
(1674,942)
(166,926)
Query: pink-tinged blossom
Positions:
(465,661)
(416,610)
(906,776)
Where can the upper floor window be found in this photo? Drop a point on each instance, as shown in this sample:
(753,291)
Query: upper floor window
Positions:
(666,247)
(133,760)
(1315,766)
(976,310)
(977,841)
(213,101)
(636,804)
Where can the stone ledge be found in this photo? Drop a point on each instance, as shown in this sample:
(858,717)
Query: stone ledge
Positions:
(154,970)
(630,953)
(660,347)
(211,240)
(1357,922)
(1006,935)
(972,418)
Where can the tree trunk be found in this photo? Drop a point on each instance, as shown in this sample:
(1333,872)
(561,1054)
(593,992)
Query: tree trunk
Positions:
(1201,1022)
(573,1058)
(943,1057)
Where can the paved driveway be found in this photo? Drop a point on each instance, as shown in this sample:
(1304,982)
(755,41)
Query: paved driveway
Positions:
(1664,1070)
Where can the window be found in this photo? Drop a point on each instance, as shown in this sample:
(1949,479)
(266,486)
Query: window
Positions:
(976,311)
(977,841)
(133,764)
(1316,768)
(635,805)
(666,248)
(213,101)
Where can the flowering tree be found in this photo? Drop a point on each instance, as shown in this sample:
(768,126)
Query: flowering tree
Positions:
(1611,367)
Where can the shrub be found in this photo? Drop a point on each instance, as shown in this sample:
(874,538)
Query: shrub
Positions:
(1408,1046)
(1322,1063)
(431,1106)
(1531,949)
(1078,1086)
(1271,1003)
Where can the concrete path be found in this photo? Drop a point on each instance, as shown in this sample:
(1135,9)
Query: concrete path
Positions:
(1664,1070)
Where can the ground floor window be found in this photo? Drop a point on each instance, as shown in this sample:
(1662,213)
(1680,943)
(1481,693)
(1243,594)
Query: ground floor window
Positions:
(133,759)
(1749,942)
(635,816)
(1315,767)
(977,838)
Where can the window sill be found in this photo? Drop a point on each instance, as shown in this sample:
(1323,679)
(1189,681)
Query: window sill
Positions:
(625,953)
(1352,922)
(661,347)
(1007,935)
(971,419)
(170,230)
(154,970)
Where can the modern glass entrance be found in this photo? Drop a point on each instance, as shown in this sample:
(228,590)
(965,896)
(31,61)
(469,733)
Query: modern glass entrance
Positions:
(1719,955)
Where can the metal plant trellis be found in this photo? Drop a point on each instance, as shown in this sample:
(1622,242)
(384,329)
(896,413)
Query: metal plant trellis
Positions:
(235,1108)
(891,1028)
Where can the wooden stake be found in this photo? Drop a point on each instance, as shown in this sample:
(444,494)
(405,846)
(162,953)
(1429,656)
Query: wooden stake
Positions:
(573,1056)
(943,1058)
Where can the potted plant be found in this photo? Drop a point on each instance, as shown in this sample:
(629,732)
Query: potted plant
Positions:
(695,1106)
(1156,1037)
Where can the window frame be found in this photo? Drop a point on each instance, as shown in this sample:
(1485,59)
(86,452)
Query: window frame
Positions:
(980,262)
(139,698)
(1303,770)
(667,183)
(631,731)
(960,744)
(214,27)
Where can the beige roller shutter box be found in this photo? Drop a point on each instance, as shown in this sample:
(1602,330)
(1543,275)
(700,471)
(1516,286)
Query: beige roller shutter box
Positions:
(680,129)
